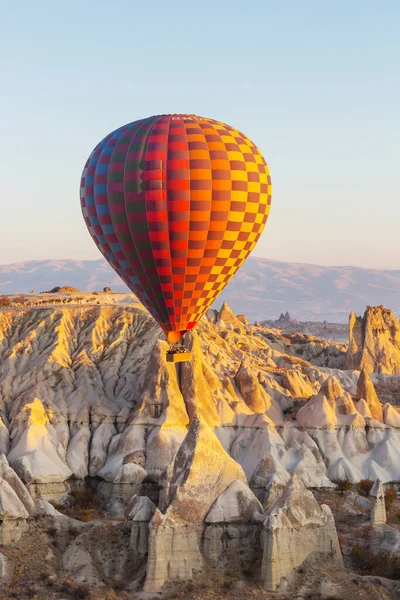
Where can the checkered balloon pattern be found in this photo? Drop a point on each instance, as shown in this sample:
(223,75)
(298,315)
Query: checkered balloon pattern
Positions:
(176,203)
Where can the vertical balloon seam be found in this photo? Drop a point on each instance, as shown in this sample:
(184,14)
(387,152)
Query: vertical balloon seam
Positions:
(169,172)
(131,127)
(130,131)
(209,301)
(192,317)
(158,308)
(159,120)
(165,182)
(83,196)
(162,299)
(155,310)
(216,125)
(184,315)
(103,245)
(116,134)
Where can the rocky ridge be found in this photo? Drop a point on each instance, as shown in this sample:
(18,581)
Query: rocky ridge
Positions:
(196,461)
(330,331)
(87,391)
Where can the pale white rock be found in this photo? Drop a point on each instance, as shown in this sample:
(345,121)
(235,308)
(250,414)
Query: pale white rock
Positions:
(378,508)
(268,472)
(35,456)
(78,452)
(356,503)
(295,527)
(140,508)
(13,515)
(317,413)
(294,437)
(130,473)
(66,369)
(211,315)
(236,504)
(347,378)
(174,552)
(390,416)
(38,467)
(6,570)
(11,506)
(249,445)
(199,473)
(78,561)
(4,437)
(99,445)
(311,471)
(162,445)
(363,408)
(122,446)
(10,476)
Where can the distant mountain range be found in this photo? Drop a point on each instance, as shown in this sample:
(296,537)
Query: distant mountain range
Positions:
(262,289)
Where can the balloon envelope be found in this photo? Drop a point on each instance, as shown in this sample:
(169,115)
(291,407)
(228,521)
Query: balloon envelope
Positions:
(176,203)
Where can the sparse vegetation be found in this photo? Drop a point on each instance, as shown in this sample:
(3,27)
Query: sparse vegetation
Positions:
(75,590)
(83,506)
(342,485)
(20,299)
(4,301)
(390,496)
(382,564)
(364,487)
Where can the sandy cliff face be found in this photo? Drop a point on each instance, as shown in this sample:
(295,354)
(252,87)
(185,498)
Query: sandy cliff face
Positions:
(374,341)
(87,391)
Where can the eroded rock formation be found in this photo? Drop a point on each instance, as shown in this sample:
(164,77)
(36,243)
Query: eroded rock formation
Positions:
(295,527)
(378,508)
(186,458)
(374,342)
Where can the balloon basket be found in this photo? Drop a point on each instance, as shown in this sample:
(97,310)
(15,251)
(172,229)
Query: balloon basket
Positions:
(177,357)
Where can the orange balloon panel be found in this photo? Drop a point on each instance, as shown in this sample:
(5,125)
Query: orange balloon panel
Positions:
(176,203)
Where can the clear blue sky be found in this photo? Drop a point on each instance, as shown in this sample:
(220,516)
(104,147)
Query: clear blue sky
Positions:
(315,84)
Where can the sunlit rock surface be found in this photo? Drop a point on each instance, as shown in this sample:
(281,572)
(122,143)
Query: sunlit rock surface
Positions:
(88,391)
(189,458)
(374,341)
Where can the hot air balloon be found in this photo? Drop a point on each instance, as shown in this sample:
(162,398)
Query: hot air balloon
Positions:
(176,203)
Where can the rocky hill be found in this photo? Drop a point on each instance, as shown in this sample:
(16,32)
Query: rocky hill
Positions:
(203,450)
(265,287)
(323,329)
(92,376)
